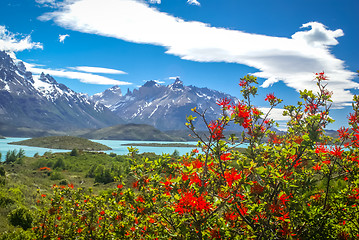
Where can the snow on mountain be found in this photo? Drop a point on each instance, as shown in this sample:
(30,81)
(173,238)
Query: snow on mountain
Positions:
(40,101)
(166,107)
(109,97)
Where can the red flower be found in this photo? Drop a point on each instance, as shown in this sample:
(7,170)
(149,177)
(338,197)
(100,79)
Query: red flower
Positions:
(321,77)
(135,184)
(243,83)
(283,198)
(242,115)
(343,133)
(337,151)
(189,202)
(316,196)
(102,212)
(321,149)
(226,156)
(216,130)
(184,177)
(353,118)
(197,164)
(317,167)
(120,186)
(71,185)
(284,216)
(224,102)
(255,111)
(140,199)
(232,177)
(270,97)
(242,209)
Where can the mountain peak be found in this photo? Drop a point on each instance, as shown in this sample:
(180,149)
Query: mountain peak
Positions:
(150,83)
(178,84)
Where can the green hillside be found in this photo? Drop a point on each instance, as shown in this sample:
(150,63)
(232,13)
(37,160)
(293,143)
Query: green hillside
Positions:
(135,132)
(63,142)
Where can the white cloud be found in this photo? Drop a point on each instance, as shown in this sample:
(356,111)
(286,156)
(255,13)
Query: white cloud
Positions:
(193,2)
(97,70)
(10,42)
(173,78)
(155,1)
(63,37)
(275,114)
(291,60)
(81,76)
(51,3)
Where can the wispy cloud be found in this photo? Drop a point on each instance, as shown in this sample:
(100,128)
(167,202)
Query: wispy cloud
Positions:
(97,70)
(63,37)
(173,78)
(277,115)
(291,60)
(16,42)
(193,2)
(81,76)
(155,1)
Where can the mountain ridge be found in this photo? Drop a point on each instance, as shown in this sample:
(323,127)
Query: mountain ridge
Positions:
(41,102)
(166,107)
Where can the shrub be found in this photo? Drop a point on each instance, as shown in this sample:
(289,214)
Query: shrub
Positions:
(21,217)
(56,175)
(294,186)
(2,171)
(5,199)
(60,164)
(14,155)
(75,152)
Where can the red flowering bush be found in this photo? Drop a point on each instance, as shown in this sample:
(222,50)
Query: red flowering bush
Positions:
(300,184)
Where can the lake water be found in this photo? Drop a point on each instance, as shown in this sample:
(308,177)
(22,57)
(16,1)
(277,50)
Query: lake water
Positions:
(116,146)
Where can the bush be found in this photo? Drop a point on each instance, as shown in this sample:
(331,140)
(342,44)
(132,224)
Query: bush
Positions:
(60,164)
(14,155)
(64,182)
(21,217)
(5,199)
(294,186)
(75,152)
(56,175)
(2,171)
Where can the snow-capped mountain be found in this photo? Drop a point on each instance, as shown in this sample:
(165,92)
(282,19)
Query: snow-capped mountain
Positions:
(41,102)
(109,97)
(166,107)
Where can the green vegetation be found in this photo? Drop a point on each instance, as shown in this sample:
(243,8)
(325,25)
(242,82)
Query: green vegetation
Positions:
(159,145)
(63,142)
(135,132)
(21,182)
(14,155)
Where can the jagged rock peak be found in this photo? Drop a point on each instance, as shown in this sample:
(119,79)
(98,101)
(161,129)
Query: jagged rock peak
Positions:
(177,84)
(47,78)
(151,83)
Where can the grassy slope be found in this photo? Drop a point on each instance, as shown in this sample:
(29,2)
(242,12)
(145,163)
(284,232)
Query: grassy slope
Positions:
(25,182)
(63,142)
(139,132)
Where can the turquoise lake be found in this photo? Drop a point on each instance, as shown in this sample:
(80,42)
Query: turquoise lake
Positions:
(116,146)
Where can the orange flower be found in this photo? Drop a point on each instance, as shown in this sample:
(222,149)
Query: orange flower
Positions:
(317,167)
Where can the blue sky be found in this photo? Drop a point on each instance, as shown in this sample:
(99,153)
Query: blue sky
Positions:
(91,45)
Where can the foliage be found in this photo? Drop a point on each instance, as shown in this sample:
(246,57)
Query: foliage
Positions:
(21,217)
(63,142)
(74,152)
(295,186)
(14,155)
